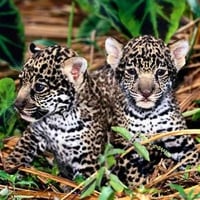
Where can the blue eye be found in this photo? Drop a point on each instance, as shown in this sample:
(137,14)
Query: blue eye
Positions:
(38,87)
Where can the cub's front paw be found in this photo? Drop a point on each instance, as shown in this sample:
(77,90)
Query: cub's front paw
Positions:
(11,166)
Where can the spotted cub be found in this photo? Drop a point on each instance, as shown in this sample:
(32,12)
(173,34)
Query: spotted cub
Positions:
(64,107)
(146,69)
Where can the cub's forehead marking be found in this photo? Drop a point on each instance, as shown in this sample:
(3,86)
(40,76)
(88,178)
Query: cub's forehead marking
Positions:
(46,61)
(146,53)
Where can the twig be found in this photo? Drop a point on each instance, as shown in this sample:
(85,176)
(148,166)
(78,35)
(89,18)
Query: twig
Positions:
(196,85)
(33,194)
(56,178)
(50,176)
(166,175)
(187,26)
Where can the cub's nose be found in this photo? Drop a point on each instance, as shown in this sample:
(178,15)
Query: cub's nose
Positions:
(146,85)
(146,93)
(19,104)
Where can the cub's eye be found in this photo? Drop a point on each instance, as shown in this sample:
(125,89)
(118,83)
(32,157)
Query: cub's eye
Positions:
(132,71)
(161,72)
(38,87)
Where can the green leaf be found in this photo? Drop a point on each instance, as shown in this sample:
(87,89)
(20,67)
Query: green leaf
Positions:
(143,190)
(116,184)
(116,151)
(7,94)
(102,159)
(11,122)
(123,132)
(88,6)
(107,193)
(191,112)
(141,150)
(107,148)
(197,139)
(197,102)
(1,143)
(4,192)
(195,113)
(12,40)
(108,157)
(8,177)
(198,168)
(4,176)
(110,161)
(179,189)
(89,187)
(196,116)
(28,183)
(99,176)
(92,23)
(190,195)
(55,169)
(159,18)
(175,15)
(196,196)
(79,178)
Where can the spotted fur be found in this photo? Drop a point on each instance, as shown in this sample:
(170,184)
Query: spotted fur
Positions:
(146,69)
(66,113)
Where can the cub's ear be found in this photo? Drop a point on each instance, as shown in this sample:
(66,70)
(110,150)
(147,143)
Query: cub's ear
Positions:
(74,68)
(179,51)
(33,48)
(114,52)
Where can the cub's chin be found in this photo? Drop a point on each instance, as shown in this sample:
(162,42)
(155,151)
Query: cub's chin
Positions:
(145,104)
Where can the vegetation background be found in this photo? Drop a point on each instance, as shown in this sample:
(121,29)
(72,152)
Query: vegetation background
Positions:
(84,25)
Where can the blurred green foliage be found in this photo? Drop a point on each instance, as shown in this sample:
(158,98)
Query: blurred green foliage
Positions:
(195,7)
(12,42)
(133,18)
(8,116)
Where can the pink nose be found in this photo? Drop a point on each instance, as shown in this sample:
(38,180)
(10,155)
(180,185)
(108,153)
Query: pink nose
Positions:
(146,93)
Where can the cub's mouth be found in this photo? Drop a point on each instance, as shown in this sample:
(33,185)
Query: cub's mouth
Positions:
(32,115)
(146,100)
(29,111)
(145,103)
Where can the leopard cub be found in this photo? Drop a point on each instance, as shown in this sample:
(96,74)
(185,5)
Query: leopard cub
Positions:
(63,106)
(146,69)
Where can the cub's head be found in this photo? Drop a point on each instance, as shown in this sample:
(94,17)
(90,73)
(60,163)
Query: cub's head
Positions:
(145,67)
(49,80)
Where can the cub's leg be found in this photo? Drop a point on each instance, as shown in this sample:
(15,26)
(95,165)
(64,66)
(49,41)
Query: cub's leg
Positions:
(28,147)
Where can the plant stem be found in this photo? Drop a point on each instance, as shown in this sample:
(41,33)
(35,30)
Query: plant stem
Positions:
(70,25)
(191,112)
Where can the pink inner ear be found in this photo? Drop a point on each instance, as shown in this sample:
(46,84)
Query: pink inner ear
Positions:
(178,53)
(76,71)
